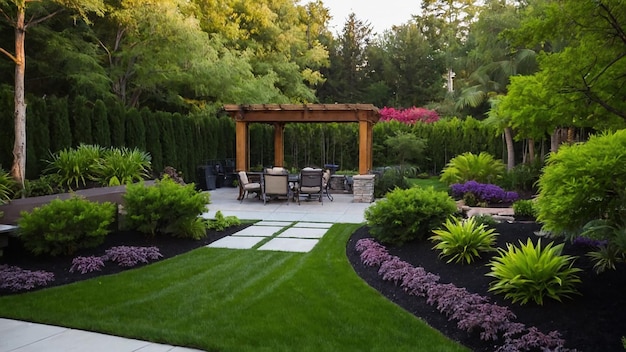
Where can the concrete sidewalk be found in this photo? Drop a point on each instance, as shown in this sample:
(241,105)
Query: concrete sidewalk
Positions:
(19,336)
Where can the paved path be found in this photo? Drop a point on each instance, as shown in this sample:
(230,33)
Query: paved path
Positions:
(287,225)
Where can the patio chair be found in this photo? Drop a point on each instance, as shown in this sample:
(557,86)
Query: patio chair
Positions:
(326,184)
(245,186)
(275,183)
(311,183)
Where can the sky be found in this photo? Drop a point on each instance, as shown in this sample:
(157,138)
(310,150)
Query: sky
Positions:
(381,14)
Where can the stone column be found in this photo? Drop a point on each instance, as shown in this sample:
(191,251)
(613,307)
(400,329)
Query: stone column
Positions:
(363,188)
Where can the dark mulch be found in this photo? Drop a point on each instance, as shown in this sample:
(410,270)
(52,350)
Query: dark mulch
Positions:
(593,321)
(16,255)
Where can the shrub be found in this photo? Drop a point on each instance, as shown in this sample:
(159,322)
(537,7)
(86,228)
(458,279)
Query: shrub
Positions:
(64,226)
(524,208)
(474,193)
(463,240)
(165,208)
(43,186)
(87,264)
(220,223)
(610,241)
(584,182)
(522,177)
(389,180)
(75,166)
(405,215)
(119,166)
(409,116)
(485,219)
(130,256)
(15,279)
(532,273)
(481,168)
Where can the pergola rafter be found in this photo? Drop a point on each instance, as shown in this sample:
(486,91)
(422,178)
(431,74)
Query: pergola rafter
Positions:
(366,115)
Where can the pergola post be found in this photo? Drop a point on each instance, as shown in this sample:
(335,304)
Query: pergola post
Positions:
(242,160)
(366,143)
(279,145)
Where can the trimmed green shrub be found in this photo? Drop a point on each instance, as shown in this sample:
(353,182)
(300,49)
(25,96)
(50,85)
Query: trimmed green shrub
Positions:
(43,186)
(389,180)
(101,130)
(405,215)
(482,168)
(584,182)
(610,240)
(463,240)
(221,222)
(120,166)
(531,273)
(524,208)
(485,219)
(165,208)
(63,226)
(81,121)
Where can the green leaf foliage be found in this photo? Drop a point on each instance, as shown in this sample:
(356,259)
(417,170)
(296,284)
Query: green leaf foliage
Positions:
(611,239)
(75,166)
(408,214)
(583,182)
(165,208)
(221,222)
(119,166)
(7,184)
(530,273)
(482,168)
(63,226)
(463,240)
(524,207)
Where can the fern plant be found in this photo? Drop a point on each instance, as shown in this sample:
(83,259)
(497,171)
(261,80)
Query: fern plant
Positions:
(482,168)
(533,272)
(463,240)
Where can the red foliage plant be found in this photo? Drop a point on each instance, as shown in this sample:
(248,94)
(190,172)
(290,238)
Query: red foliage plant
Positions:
(409,116)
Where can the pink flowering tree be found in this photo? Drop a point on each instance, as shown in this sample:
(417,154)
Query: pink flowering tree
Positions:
(409,116)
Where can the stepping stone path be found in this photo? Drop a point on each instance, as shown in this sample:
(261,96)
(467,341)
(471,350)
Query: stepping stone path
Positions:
(285,236)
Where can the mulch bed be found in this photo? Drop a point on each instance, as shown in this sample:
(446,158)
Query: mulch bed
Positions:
(593,321)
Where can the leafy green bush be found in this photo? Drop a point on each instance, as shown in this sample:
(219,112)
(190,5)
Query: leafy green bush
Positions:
(405,215)
(524,208)
(584,182)
(522,178)
(7,184)
(64,226)
(532,273)
(43,186)
(221,222)
(388,180)
(120,166)
(463,240)
(75,166)
(485,219)
(165,208)
(482,168)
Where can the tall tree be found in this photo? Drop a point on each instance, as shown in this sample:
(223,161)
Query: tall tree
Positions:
(14,12)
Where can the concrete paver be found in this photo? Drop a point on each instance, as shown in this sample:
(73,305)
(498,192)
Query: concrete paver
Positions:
(289,245)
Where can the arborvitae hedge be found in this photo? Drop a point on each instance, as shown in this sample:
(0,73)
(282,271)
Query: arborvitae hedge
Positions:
(153,141)
(100,126)
(37,137)
(80,121)
(60,135)
(135,130)
(117,123)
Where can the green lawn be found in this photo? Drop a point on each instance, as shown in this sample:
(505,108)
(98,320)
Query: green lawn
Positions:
(238,300)
(428,182)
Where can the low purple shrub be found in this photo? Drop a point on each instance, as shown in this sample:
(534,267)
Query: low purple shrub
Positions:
(471,311)
(129,256)
(16,279)
(589,242)
(87,264)
(482,193)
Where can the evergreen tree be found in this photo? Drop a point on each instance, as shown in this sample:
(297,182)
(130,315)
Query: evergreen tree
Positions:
(117,121)
(100,125)
(60,134)
(81,121)
(135,130)
(166,134)
(37,137)
(153,141)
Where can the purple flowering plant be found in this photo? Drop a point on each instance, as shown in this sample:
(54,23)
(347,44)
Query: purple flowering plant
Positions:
(471,311)
(16,279)
(482,193)
(129,256)
(87,264)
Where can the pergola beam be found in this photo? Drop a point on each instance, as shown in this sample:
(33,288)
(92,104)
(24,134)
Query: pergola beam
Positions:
(366,115)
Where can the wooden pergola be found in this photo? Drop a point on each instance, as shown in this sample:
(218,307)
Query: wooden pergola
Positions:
(366,115)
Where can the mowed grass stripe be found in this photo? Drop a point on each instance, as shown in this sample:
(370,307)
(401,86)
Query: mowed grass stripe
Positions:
(238,300)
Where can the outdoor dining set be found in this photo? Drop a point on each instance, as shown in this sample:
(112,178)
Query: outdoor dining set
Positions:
(277,182)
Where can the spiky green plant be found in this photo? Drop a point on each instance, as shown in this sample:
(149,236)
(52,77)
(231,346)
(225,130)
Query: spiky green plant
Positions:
(531,273)
(120,166)
(75,166)
(482,168)
(463,240)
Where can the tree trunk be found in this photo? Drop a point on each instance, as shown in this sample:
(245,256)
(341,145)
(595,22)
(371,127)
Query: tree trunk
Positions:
(531,150)
(510,148)
(18,170)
